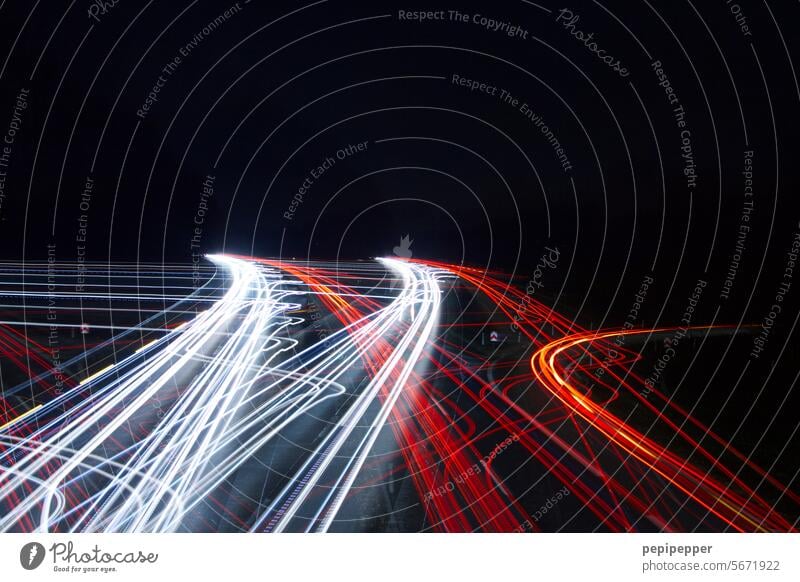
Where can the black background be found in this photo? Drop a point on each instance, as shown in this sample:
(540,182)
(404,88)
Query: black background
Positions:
(280,86)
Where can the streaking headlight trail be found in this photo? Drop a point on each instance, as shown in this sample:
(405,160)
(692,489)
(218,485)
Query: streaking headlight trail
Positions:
(285,396)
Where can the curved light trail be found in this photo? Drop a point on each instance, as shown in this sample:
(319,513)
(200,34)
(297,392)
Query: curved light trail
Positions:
(249,414)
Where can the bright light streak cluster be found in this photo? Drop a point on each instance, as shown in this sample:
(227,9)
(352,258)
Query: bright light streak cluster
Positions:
(81,469)
(198,421)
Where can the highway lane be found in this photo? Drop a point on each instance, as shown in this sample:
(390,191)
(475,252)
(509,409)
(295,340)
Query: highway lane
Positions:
(102,423)
(109,463)
(254,417)
(406,324)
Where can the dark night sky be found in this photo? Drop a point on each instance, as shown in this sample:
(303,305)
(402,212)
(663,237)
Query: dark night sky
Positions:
(279,87)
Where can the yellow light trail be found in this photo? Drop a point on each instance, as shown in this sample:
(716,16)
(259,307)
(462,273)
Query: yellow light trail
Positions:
(21,416)
(95,375)
(145,346)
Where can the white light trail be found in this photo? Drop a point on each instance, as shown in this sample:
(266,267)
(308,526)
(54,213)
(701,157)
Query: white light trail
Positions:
(230,381)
